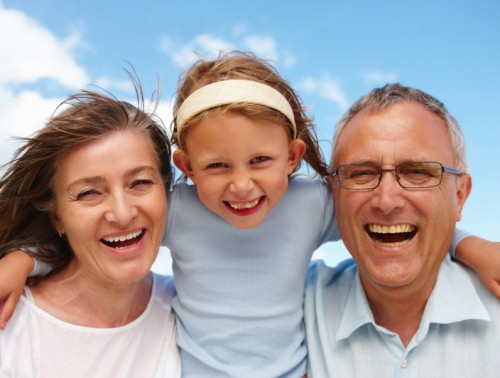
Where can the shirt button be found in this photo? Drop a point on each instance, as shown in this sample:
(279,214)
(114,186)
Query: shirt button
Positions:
(404,364)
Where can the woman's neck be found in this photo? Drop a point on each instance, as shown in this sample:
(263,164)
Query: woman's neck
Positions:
(73,297)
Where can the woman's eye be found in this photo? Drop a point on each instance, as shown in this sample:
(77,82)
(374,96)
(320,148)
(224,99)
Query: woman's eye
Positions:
(87,194)
(142,184)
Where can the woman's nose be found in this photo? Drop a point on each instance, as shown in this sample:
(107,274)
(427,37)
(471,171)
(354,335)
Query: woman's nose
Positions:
(121,209)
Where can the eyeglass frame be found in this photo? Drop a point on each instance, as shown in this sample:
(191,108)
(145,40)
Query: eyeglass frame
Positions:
(395,170)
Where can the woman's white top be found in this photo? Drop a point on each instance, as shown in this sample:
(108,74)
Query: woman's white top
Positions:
(36,344)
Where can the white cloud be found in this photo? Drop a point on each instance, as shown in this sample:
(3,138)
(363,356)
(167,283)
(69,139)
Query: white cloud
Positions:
(331,253)
(31,52)
(379,77)
(207,46)
(110,84)
(327,88)
(203,46)
(289,60)
(239,29)
(263,46)
(20,115)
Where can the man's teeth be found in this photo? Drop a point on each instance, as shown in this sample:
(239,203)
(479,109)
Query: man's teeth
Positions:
(244,205)
(394,229)
(122,238)
(392,236)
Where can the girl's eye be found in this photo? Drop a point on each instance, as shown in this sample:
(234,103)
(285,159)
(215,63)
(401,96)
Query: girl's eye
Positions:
(216,165)
(260,159)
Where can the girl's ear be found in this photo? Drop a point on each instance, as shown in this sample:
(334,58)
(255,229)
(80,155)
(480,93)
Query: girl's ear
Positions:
(296,150)
(181,161)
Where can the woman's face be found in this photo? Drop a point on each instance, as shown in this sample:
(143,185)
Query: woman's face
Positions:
(111,205)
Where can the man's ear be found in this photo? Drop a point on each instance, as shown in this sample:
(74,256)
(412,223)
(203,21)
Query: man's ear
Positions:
(464,188)
(181,161)
(296,150)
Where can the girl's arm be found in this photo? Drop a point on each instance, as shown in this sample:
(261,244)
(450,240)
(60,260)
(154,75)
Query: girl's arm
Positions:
(484,257)
(14,270)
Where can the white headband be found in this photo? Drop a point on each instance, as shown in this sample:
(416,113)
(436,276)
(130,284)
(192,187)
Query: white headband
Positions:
(233,91)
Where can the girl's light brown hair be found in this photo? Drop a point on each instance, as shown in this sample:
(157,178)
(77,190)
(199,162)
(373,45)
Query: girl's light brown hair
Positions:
(246,66)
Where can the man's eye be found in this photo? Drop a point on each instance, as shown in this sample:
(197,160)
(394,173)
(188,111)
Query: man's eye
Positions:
(362,174)
(418,172)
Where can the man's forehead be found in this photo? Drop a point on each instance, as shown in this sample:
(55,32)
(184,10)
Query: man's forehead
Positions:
(400,132)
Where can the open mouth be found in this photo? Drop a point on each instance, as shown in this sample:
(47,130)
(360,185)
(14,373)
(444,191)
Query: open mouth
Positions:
(244,206)
(391,236)
(123,241)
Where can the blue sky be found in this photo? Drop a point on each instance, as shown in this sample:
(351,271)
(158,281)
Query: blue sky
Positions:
(332,52)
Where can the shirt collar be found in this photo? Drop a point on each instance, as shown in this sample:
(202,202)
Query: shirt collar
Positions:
(453,299)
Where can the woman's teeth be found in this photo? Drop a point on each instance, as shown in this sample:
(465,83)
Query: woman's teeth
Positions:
(123,241)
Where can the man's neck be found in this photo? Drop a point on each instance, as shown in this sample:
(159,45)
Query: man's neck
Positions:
(399,310)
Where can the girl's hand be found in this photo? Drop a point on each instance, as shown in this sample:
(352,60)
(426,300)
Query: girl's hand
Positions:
(14,270)
(484,257)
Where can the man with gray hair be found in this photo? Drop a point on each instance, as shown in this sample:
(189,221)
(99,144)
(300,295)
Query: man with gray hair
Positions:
(402,308)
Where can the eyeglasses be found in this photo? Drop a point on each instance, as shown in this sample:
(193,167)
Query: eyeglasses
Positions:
(414,175)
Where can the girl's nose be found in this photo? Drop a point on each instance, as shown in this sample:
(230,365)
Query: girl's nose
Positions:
(241,183)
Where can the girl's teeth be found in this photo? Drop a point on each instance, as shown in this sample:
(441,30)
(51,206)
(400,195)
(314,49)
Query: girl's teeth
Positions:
(244,205)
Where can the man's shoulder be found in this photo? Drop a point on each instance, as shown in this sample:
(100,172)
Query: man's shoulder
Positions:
(489,300)
(323,279)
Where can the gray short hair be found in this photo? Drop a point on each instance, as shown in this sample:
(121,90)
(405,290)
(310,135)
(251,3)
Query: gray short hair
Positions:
(390,94)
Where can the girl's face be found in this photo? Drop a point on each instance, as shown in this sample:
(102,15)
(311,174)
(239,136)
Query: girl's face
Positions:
(239,165)
(111,205)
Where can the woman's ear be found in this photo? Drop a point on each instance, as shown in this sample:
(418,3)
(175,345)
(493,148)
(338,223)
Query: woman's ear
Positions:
(182,161)
(56,222)
(296,150)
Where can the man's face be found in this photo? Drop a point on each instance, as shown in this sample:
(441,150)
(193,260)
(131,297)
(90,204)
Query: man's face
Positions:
(408,255)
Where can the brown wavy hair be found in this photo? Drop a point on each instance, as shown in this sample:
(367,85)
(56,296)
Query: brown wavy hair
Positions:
(246,66)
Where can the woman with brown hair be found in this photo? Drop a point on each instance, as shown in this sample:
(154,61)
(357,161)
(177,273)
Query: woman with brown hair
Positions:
(89,191)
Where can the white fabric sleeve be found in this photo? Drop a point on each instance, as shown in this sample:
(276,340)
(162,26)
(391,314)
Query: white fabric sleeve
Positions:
(458,236)
(40,269)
